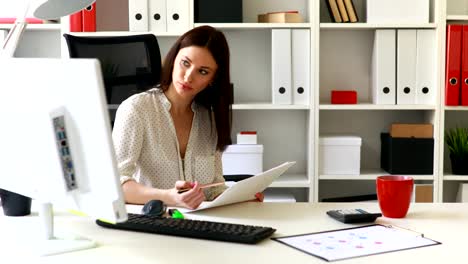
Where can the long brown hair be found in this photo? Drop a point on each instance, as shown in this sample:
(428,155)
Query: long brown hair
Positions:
(217,97)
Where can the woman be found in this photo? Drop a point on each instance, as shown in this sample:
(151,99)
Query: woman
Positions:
(171,137)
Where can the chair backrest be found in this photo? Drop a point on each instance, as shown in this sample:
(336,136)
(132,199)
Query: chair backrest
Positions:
(130,64)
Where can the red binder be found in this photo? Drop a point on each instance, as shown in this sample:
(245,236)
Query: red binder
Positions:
(453,65)
(464,67)
(89,18)
(76,22)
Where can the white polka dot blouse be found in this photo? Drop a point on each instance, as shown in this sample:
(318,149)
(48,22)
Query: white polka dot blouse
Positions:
(147,149)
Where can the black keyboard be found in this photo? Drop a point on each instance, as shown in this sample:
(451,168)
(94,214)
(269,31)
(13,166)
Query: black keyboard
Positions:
(193,228)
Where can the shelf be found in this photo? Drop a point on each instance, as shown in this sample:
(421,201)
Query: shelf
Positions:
(291,181)
(248,107)
(50,26)
(263,106)
(369,106)
(254,25)
(216,25)
(457,18)
(456,108)
(359,26)
(122,33)
(370,174)
(451,177)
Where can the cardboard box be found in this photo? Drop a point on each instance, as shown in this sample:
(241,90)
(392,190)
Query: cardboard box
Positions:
(339,155)
(243,160)
(406,155)
(423,193)
(280,17)
(412,131)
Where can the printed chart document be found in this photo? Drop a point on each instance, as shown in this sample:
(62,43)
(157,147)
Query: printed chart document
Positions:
(245,190)
(356,242)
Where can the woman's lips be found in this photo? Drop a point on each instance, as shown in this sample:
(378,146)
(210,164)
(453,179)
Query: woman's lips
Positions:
(185,86)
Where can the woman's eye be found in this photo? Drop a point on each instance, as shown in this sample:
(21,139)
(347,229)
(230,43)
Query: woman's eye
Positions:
(203,72)
(185,63)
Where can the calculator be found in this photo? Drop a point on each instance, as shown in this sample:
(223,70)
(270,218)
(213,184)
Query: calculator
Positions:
(353,216)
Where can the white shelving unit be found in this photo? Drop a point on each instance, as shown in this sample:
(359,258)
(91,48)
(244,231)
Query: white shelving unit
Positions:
(46,39)
(455,12)
(340,59)
(369,106)
(345,55)
(38,40)
(254,25)
(358,26)
(36,27)
(457,17)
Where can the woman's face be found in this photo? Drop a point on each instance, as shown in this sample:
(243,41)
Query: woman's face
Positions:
(194,70)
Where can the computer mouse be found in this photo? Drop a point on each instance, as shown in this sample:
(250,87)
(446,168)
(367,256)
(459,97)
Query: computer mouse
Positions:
(154,207)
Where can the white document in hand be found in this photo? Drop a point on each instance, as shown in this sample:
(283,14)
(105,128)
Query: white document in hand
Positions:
(245,190)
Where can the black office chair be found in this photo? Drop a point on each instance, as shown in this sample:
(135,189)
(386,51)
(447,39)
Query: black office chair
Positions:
(130,64)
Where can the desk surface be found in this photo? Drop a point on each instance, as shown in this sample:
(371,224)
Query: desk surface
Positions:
(447,223)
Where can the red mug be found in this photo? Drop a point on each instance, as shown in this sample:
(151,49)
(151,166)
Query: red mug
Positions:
(394,195)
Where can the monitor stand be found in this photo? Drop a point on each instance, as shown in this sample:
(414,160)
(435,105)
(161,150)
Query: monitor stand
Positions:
(51,244)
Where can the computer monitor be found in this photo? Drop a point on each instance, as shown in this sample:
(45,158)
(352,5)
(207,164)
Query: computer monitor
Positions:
(55,143)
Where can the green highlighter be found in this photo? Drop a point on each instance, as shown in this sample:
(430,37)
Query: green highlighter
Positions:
(176,214)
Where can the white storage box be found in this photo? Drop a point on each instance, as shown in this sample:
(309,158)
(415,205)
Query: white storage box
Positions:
(339,155)
(397,11)
(273,195)
(247,137)
(243,159)
(462,195)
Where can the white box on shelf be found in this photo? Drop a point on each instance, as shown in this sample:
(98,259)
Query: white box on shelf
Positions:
(462,195)
(243,159)
(397,11)
(273,195)
(340,155)
(247,137)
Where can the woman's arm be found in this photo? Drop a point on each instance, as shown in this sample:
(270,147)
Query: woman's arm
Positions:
(136,193)
(127,135)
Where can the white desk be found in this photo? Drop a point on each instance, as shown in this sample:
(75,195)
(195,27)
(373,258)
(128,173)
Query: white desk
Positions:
(447,223)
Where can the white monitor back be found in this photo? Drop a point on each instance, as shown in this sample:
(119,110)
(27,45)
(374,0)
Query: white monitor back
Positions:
(32,92)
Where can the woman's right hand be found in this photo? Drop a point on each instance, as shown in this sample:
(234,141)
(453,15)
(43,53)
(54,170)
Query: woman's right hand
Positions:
(190,199)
